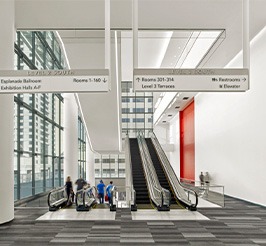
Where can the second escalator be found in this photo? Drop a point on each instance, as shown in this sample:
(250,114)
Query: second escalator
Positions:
(160,173)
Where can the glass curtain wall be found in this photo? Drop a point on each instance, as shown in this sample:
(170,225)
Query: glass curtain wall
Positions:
(109,166)
(38,159)
(82,149)
(137,111)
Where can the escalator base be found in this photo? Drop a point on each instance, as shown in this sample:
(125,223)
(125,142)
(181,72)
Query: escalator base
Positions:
(163,208)
(82,208)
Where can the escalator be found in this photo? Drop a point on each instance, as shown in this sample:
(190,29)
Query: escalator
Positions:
(161,174)
(186,197)
(139,181)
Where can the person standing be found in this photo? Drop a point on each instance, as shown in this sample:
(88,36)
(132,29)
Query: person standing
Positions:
(207,178)
(109,192)
(69,190)
(201,178)
(100,188)
(207,182)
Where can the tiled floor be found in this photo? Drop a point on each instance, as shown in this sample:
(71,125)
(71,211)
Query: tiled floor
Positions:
(239,223)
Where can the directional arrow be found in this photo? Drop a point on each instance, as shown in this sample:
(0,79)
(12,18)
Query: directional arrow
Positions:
(138,79)
(104,80)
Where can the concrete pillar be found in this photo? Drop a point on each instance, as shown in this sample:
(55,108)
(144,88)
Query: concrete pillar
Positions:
(90,172)
(7,37)
(70,136)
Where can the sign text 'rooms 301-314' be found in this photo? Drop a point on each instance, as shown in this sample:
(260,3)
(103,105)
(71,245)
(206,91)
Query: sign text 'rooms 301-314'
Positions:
(40,81)
(219,80)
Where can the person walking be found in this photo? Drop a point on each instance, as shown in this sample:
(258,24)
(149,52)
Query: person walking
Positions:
(100,188)
(80,183)
(109,192)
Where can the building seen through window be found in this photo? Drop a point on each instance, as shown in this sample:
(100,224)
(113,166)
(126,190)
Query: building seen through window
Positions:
(38,129)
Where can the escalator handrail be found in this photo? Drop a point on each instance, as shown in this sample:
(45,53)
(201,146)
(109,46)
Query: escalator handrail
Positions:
(179,189)
(91,200)
(159,195)
(129,171)
(56,190)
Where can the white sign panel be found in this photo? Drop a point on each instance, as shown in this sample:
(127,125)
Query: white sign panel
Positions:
(40,81)
(191,80)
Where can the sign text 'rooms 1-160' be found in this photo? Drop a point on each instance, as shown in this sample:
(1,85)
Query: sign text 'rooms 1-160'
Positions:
(40,81)
(219,80)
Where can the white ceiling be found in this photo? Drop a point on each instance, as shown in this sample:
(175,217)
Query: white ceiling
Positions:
(166,15)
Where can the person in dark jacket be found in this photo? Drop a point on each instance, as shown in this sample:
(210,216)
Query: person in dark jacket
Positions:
(69,189)
(80,183)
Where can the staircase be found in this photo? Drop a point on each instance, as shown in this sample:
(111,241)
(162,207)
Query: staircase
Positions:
(139,181)
(160,172)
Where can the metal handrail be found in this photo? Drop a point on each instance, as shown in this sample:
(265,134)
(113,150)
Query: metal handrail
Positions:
(129,175)
(85,198)
(57,197)
(181,192)
(159,195)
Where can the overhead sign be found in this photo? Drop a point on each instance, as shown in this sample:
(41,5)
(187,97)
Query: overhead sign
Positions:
(219,80)
(41,81)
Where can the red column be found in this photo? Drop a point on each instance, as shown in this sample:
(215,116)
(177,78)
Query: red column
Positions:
(187,143)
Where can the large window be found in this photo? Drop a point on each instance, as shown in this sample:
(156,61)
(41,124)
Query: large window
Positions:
(109,166)
(82,149)
(38,162)
(137,110)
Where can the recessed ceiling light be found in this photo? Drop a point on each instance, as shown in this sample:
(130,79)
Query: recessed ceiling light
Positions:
(164,121)
(170,115)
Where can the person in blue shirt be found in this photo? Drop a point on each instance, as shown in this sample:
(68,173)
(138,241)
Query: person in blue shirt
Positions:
(109,192)
(100,188)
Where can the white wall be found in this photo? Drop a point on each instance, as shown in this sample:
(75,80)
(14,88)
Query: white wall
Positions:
(230,132)
(169,134)
(174,136)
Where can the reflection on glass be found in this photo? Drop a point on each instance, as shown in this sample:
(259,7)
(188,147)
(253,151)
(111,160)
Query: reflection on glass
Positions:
(56,172)
(39,184)
(39,54)
(49,172)
(57,109)
(56,141)
(26,175)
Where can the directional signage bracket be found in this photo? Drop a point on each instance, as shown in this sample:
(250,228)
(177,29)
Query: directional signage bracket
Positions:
(196,80)
(60,81)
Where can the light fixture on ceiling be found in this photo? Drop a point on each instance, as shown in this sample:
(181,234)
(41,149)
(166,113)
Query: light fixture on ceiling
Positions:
(172,103)
(185,98)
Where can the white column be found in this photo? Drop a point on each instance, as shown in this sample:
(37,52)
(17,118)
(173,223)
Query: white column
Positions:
(246,42)
(135,22)
(90,172)
(70,136)
(7,32)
